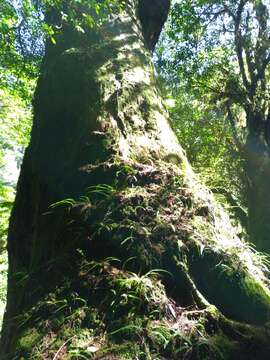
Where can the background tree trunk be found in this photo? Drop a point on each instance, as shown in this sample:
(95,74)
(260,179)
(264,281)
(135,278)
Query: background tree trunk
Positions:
(258,195)
(100,129)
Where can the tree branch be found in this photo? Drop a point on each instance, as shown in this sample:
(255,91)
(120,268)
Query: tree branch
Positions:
(152,15)
(261,59)
(233,126)
(238,40)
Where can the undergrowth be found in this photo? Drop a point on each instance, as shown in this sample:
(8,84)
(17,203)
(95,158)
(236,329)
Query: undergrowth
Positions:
(147,277)
(112,312)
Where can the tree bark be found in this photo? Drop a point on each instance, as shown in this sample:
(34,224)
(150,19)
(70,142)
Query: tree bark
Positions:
(257,167)
(101,130)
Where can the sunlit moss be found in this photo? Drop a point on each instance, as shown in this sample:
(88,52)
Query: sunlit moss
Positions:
(28,340)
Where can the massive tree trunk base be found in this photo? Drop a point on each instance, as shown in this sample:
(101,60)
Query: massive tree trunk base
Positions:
(142,264)
(149,279)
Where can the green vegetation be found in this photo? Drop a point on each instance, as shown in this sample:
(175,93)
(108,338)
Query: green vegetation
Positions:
(215,59)
(124,305)
(3,279)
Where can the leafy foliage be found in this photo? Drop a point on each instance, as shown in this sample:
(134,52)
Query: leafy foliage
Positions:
(3,277)
(15,124)
(214,56)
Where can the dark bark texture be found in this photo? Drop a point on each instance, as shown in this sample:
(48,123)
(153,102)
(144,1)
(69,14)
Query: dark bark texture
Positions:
(257,167)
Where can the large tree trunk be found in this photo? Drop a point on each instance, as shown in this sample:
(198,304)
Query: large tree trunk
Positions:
(101,130)
(257,167)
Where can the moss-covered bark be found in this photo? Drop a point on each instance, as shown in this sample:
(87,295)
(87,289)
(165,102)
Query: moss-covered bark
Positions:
(116,251)
(257,169)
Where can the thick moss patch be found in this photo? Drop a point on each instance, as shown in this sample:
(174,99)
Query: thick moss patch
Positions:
(28,340)
(225,282)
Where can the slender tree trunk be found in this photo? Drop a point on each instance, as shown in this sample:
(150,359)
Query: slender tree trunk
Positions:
(100,129)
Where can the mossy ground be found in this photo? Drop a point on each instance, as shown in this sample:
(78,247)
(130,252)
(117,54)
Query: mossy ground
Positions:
(147,267)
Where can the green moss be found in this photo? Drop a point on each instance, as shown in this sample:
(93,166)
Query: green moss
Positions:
(28,340)
(126,351)
(257,291)
(217,347)
(227,283)
(115,302)
(225,345)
